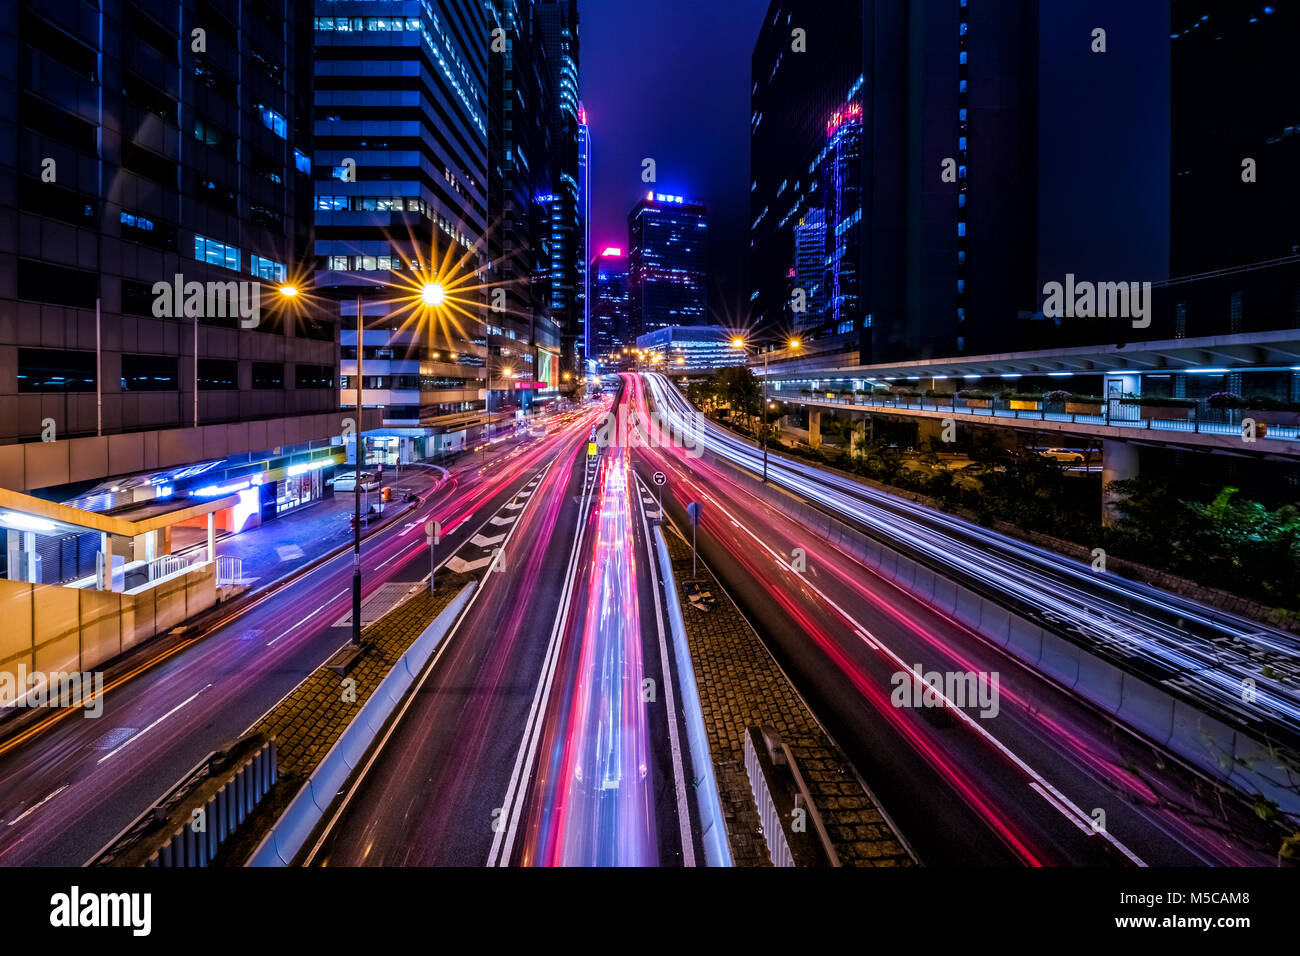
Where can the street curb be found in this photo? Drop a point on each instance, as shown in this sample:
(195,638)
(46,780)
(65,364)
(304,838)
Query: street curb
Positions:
(290,832)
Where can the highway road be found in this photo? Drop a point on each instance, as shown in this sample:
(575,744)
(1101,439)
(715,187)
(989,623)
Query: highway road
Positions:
(1206,653)
(69,788)
(528,740)
(1039,778)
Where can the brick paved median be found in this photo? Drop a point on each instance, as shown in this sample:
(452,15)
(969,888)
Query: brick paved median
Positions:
(741,686)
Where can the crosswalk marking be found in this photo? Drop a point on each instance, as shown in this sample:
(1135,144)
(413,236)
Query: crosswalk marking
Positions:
(461,566)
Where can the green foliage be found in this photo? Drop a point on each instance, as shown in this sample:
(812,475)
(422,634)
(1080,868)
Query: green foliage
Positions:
(1228,542)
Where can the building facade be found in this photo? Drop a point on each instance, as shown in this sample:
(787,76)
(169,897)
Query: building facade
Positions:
(136,162)
(158,214)
(691,349)
(522,335)
(668,247)
(401,202)
(558,32)
(609,306)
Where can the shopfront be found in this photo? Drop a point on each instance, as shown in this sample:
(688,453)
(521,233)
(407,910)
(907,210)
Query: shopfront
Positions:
(297,491)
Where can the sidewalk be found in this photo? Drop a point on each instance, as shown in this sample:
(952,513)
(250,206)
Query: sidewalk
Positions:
(740,686)
(282,545)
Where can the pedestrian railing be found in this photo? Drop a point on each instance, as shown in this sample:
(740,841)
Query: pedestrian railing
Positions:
(1112,412)
(167,564)
(230,570)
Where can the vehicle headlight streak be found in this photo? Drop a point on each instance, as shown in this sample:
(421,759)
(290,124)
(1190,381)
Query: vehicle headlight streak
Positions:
(1037,578)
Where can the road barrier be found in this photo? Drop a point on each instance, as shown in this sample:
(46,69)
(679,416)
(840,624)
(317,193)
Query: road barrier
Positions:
(289,834)
(187,827)
(716,850)
(785,807)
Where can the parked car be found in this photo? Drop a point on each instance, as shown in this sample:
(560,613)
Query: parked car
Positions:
(1069,455)
(347,481)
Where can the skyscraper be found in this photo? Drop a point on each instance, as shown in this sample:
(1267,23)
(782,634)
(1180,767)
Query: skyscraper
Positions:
(523,335)
(932,144)
(667,263)
(794,96)
(1235,150)
(584,201)
(558,30)
(141,154)
(402,198)
(609,304)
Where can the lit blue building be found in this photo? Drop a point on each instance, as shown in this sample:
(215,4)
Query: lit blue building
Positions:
(667,263)
(694,348)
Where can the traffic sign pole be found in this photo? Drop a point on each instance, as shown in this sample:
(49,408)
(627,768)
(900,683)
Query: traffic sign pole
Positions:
(693,511)
(432,534)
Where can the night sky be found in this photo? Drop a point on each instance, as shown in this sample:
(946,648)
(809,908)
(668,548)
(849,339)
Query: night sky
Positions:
(669,80)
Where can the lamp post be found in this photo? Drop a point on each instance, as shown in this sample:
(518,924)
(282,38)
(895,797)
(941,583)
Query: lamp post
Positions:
(739,343)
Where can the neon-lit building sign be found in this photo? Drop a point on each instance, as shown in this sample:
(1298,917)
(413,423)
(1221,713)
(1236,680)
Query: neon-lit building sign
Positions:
(850,114)
(614,251)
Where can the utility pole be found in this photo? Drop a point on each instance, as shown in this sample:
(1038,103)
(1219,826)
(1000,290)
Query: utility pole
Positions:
(356,488)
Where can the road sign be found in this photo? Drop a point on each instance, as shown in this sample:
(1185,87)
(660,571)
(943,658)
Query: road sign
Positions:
(433,531)
(693,511)
(660,478)
(592,450)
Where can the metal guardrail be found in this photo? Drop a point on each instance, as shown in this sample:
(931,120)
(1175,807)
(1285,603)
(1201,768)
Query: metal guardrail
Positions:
(717,851)
(767,761)
(188,825)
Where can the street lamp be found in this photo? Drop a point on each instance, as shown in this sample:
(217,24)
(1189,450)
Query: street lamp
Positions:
(739,343)
(433,294)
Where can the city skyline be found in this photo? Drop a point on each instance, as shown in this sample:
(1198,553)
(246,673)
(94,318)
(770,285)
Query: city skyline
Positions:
(551,433)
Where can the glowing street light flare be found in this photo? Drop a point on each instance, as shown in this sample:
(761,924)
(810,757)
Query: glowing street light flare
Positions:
(433,294)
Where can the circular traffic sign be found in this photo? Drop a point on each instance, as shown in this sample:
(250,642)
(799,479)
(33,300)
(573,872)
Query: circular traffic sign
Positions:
(660,478)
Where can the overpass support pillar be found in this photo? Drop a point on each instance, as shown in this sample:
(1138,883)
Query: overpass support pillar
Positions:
(1119,462)
(815,427)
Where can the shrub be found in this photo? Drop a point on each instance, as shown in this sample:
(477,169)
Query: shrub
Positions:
(1058,397)
(1225,400)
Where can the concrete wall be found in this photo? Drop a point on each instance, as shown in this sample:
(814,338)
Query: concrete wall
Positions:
(51,628)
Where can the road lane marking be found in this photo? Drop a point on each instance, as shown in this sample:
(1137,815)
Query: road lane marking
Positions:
(675,744)
(862,632)
(512,807)
(36,806)
(127,742)
(360,777)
